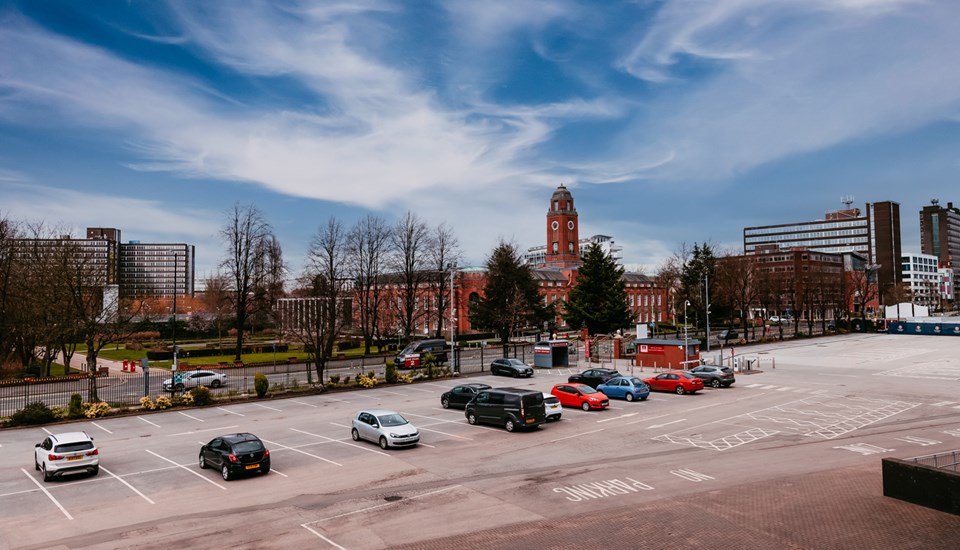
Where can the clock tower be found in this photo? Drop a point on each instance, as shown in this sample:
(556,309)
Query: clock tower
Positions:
(563,242)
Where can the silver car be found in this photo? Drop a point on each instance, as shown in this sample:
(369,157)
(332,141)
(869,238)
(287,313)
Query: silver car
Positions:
(194,378)
(386,428)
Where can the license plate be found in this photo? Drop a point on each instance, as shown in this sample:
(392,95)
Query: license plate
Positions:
(531,420)
(78,457)
(253,467)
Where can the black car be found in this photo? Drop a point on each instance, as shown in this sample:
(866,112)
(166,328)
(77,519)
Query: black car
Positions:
(460,395)
(510,367)
(512,408)
(714,376)
(235,454)
(593,377)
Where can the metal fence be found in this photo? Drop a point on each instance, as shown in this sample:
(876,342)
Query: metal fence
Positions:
(946,461)
(125,390)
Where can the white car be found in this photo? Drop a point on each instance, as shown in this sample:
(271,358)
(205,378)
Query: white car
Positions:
(194,378)
(66,453)
(386,428)
(552,406)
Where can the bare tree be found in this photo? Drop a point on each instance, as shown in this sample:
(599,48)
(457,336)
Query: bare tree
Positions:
(737,282)
(217,301)
(269,285)
(443,256)
(367,247)
(667,277)
(863,284)
(409,241)
(246,236)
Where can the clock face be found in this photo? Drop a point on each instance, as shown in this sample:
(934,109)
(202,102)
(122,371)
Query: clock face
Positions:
(555,225)
(570,225)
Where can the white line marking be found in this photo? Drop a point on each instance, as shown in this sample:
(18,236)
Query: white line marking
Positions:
(420,390)
(341,442)
(337,400)
(617,417)
(206,430)
(425,445)
(193,417)
(382,505)
(275,444)
(341,425)
(665,424)
(46,492)
(148,422)
(330,542)
(275,471)
(446,434)
(394,393)
(577,435)
(48,431)
(184,468)
(266,407)
(647,419)
(101,427)
(131,487)
(230,412)
(305,403)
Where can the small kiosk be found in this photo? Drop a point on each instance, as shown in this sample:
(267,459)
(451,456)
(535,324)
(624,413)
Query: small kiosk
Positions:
(668,354)
(548,354)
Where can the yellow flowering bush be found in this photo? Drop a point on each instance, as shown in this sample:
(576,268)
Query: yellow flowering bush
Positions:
(404,379)
(163,402)
(59,413)
(96,410)
(367,381)
(147,404)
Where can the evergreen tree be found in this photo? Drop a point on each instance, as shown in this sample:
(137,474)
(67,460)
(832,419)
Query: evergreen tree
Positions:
(511,298)
(598,300)
(700,267)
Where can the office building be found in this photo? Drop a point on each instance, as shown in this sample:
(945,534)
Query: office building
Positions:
(940,235)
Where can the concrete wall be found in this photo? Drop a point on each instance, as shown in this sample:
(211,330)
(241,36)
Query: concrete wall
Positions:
(935,488)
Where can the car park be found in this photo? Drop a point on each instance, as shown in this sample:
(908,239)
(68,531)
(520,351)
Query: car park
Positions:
(385,428)
(679,382)
(553,410)
(593,377)
(193,379)
(511,408)
(625,387)
(459,396)
(66,453)
(714,376)
(234,455)
(510,366)
(580,395)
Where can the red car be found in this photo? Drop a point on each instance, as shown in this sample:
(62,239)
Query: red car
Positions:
(574,394)
(675,381)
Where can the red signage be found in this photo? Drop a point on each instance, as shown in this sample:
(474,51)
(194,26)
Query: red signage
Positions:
(647,348)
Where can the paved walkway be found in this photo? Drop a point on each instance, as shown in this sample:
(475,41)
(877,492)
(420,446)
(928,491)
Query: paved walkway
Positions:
(835,510)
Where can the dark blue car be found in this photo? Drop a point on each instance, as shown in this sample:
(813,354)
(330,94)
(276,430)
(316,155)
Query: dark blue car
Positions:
(625,387)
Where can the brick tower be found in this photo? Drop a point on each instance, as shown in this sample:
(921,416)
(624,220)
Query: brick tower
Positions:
(563,241)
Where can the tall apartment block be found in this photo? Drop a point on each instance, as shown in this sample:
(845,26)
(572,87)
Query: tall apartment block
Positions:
(940,235)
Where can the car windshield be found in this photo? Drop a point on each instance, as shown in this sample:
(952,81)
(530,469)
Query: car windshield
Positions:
(392,420)
(247,447)
(636,381)
(586,389)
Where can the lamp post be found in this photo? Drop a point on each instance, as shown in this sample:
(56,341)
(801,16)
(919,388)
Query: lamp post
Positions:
(173,368)
(685,344)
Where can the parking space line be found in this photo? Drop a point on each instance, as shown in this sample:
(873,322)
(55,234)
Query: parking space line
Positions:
(305,403)
(628,415)
(337,400)
(46,492)
(275,444)
(394,393)
(448,421)
(647,419)
(341,442)
(341,425)
(275,471)
(328,541)
(131,487)
(193,417)
(184,468)
(48,431)
(425,445)
(420,390)
(101,427)
(206,430)
(148,422)
(231,412)
(577,435)
(378,506)
(445,433)
(266,407)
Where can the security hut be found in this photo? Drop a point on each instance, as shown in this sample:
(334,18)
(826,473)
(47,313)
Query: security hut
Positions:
(654,352)
(551,353)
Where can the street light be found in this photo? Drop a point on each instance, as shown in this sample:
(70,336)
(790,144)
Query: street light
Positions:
(685,352)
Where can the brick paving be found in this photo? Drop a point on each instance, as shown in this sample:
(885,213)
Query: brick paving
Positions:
(835,510)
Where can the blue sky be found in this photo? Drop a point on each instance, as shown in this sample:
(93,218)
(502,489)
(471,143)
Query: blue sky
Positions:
(671,122)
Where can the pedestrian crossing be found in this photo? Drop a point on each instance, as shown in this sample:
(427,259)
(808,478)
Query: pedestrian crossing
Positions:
(948,404)
(785,389)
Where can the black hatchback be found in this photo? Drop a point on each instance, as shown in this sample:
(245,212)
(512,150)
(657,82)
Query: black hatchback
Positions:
(593,377)
(235,454)
(714,375)
(461,395)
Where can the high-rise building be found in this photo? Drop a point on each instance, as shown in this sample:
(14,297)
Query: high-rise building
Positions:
(157,269)
(875,233)
(940,235)
(922,277)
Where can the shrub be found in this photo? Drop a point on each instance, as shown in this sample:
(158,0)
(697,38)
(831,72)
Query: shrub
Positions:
(260,384)
(335,379)
(391,373)
(75,409)
(59,413)
(185,398)
(147,404)
(201,396)
(405,379)
(96,410)
(33,413)
(368,381)
(163,402)
(430,364)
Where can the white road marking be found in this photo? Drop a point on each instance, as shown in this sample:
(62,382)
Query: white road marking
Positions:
(46,492)
(206,430)
(305,403)
(148,422)
(577,435)
(446,434)
(275,444)
(338,441)
(617,417)
(266,407)
(648,419)
(184,468)
(360,511)
(340,425)
(394,393)
(425,445)
(48,431)
(420,390)
(337,400)
(101,427)
(275,471)
(193,417)
(230,412)
(665,424)
(131,487)
(328,541)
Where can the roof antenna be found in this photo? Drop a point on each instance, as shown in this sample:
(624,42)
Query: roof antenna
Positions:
(847,200)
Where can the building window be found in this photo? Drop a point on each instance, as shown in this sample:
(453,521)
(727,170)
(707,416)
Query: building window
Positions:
(556,247)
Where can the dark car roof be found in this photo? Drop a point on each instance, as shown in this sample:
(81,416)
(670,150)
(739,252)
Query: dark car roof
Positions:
(515,390)
(235,438)
(476,385)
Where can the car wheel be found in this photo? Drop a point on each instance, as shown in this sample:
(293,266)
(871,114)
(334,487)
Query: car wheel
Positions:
(515,374)
(383,443)
(265,470)
(445,403)
(629,397)
(203,462)
(644,398)
(36,465)
(225,472)
(46,474)
(355,434)
(95,470)
(179,387)
(680,390)
(715,383)
(509,425)
(471,419)
(585,406)
(215,384)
